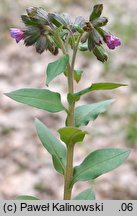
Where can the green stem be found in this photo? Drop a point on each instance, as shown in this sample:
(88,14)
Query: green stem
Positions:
(68,173)
(62,46)
(70,122)
(70,149)
(70,117)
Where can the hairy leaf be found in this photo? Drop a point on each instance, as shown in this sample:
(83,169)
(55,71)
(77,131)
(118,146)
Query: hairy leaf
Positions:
(99,86)
(39,98)
(99,162)
(86,113)
(53,146)
(56,68)
(87,194)
(71,135)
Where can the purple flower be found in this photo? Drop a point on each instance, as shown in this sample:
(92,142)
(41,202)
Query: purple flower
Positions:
(17,34)
(112,41)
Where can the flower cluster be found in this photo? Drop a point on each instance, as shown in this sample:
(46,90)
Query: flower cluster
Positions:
(37,32)
(94,35)
(44,29)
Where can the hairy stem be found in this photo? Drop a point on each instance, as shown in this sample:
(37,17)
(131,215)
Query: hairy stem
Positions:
(68,173)
(70,122)
(70,117)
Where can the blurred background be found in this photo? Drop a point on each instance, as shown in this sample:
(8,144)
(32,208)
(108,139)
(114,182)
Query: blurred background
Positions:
(25,166)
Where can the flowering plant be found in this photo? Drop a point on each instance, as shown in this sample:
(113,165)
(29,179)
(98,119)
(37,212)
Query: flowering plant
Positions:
(55,32)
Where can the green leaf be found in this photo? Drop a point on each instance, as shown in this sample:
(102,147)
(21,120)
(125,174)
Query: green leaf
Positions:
(99,86)
(26,197)
(56,68)
(97,11)
(77,75)
(53,146)
(105,86)
(86,113)
(98,163)
(71,135)
(87,194)
(39,98)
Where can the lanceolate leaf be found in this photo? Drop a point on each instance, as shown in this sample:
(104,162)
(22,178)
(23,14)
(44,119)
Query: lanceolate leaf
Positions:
(105,86)
(98,163)
(97,11)
(56,68)
(26,197)
(99,86)
(53,146)
(71,135)
(87,194)
(86,113)
(39,98)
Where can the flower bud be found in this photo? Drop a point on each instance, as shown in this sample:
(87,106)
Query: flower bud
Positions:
(96,37)
(93,39)
(84,37)
(97,11)
(53,49)
(83,47)
(78,29)
(57,20)
(31,36)
(100,53)
(91,42)
(38,15)
(41,44)
(79,24)
(99,22)
(32,11)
